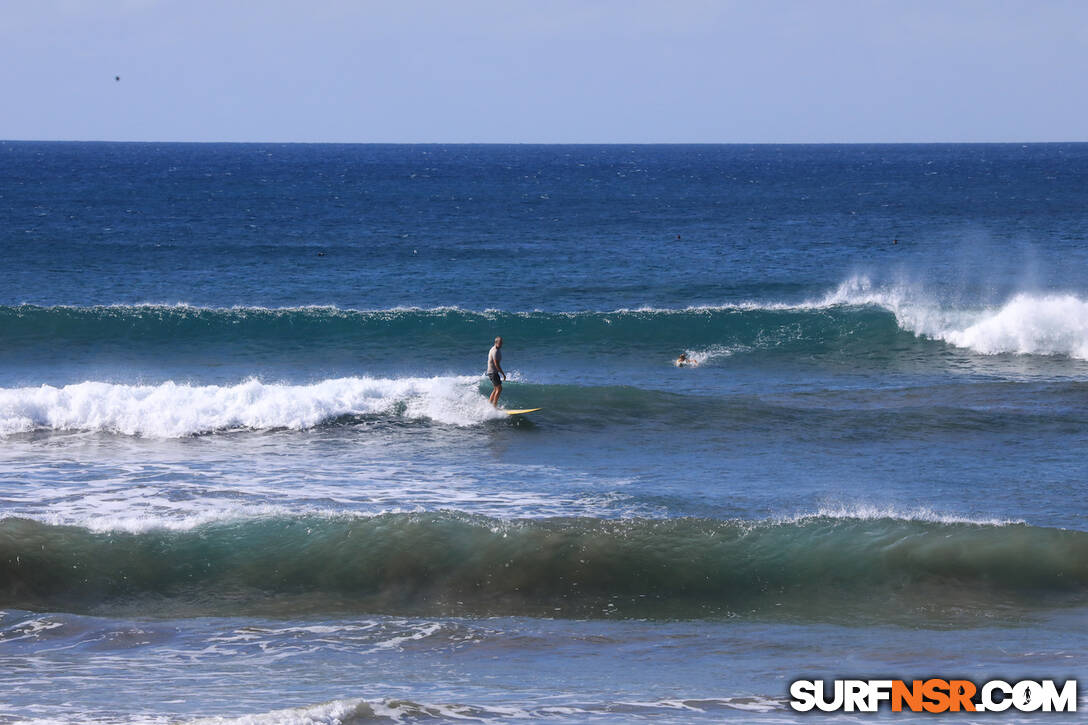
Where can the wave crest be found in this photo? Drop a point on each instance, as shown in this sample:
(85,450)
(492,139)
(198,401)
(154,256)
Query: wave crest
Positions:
(446,563)
(1026,324)
(857,317)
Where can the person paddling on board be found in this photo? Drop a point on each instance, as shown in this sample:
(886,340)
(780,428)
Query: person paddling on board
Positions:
(494,370)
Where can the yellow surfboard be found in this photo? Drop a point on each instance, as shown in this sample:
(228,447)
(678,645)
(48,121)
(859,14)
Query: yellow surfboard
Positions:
(519,412)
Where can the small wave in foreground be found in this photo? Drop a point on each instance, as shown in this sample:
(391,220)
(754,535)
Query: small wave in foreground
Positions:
(456,564)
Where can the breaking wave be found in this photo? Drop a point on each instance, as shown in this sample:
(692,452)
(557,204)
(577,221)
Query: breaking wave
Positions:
(858,318)
(1026,324)
(172,410)
(445,563)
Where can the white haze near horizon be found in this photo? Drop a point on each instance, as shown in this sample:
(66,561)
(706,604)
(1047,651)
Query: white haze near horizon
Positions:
(689,71)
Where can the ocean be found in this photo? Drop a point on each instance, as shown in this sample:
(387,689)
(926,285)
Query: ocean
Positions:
(249,472)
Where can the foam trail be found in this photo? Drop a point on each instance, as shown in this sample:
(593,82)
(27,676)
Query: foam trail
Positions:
(170,410)
(714,352)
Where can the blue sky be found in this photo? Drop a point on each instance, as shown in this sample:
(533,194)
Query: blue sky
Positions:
(591,71)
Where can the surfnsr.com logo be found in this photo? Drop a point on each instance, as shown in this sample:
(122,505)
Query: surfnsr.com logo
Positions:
(933,695)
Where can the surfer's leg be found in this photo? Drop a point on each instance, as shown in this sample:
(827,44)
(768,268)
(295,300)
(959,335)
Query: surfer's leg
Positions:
(496,381)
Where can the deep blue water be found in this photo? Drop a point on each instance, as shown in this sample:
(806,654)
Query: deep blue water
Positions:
(248,467)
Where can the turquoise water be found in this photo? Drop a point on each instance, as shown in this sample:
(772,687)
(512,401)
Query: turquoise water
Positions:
(248,468)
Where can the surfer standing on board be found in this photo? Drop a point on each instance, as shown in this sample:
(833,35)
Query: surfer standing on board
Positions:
(494,370)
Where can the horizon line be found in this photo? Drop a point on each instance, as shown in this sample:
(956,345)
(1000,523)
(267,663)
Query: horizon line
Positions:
(541,143)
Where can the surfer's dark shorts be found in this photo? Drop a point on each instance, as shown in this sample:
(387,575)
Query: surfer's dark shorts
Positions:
(495,379)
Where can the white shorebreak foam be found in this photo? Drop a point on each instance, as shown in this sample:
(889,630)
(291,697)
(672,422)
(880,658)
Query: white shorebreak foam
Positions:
(1053,324)
(170,410)
(356,710)
(338,712)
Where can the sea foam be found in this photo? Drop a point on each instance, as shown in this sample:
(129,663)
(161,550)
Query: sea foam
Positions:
(171,410)
(1030,324)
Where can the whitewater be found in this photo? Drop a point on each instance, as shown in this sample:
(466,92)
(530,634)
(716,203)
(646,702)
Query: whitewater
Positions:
(1025,324)
(171,410)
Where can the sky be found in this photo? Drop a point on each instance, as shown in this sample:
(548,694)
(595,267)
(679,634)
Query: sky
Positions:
(550,71)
